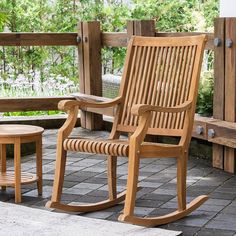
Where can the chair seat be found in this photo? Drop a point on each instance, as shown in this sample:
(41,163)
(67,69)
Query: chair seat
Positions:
(113,147)
(117,147)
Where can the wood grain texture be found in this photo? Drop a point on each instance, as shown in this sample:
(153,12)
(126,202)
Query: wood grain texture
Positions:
(16,135)
(176,63)
(219,88)
(114,39)
(230,89)
(91,77)
(31,103)
(38,39)
(210,37)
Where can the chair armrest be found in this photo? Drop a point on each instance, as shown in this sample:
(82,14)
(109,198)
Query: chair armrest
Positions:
(83,103)
(140,109)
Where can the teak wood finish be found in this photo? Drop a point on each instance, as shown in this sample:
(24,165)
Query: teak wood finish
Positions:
(157,96)
(17,134)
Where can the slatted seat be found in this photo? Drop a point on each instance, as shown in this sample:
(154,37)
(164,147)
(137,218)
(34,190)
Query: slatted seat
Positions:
(108,147)
(157,96)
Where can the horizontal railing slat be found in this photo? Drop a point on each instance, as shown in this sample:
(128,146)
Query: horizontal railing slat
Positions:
(117,39)
(31,103)
(38,39)
(114,39)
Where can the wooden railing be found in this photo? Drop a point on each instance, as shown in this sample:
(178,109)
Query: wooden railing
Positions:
(89,40)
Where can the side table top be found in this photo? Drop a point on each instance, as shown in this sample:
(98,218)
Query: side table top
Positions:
(19,130)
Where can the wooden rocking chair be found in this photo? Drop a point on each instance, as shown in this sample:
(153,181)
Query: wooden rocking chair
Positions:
(157,96)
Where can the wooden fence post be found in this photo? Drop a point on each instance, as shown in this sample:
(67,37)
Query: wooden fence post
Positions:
(230,86)
(90,69)
(141,28)
(219,86)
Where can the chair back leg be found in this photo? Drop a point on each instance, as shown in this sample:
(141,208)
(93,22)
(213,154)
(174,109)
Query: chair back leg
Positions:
(111,172)
(181,181)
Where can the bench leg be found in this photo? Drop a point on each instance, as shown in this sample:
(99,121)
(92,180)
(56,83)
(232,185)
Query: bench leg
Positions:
(17,166)
(39,165)
(3,161)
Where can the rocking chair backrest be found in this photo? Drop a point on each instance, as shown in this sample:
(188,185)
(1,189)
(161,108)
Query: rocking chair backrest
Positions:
(161,72)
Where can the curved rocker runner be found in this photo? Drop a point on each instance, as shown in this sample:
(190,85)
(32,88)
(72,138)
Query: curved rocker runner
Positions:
(158,97)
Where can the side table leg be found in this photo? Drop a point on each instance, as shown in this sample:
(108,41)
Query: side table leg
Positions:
(17,166)
(39,164)
(3,160)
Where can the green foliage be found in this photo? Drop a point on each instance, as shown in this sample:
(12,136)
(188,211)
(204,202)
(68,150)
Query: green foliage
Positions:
(63,15)
(210,12)
(3,20)
(171,15)
(205,94)
(33,113)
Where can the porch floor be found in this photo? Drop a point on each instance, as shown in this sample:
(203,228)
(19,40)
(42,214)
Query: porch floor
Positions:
(86,181)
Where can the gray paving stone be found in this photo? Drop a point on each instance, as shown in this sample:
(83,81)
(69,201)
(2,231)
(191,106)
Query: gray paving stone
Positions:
(113,217)
(221,195)
(47,192)
(85,173)
(207,207)
(68,197)
(224,189)
(143,210)
(99,193)
(228,224)
(88,162)
(77,179)
(117,208)
(88,186)
(120,188)
(95,180)
(144,191)
(149,184)
(86,181)
(165,191)
(215,232)
(81,191)
(218,202)
(157,197)
(89,199)
(71,168)
(148,203)
(233,203)
(160,178)
(196,218)
(154,168)
(96,168)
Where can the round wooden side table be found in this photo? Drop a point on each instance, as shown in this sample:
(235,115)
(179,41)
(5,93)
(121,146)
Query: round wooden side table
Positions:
(17,134)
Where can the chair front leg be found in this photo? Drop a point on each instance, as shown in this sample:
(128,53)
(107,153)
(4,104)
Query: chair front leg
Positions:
(133,167)
(111,173)
(132,181)
(59,173)
(63,133)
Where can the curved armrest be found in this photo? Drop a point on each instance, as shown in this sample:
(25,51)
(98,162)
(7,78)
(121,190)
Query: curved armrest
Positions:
(140,109)
(68,104)
(72,107)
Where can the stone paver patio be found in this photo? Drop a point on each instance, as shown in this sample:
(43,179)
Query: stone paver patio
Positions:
(86,181)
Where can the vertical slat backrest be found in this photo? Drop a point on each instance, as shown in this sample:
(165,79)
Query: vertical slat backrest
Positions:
(162,72)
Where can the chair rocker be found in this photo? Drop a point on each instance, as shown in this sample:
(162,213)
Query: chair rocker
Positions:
(157,96)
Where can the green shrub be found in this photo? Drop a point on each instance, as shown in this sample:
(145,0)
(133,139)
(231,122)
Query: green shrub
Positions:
(205,94)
